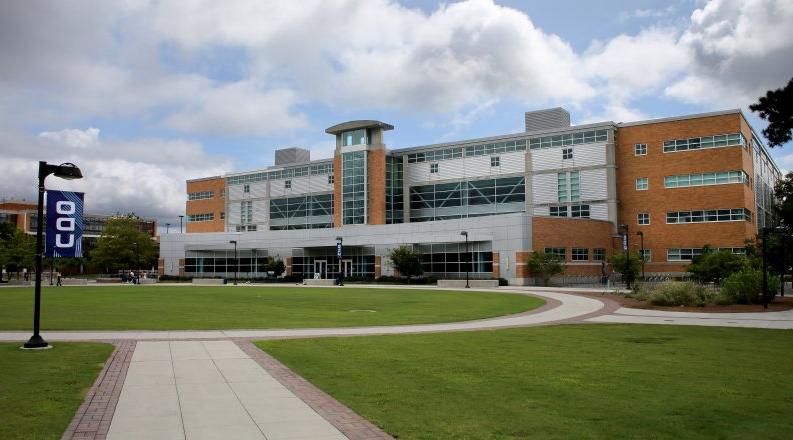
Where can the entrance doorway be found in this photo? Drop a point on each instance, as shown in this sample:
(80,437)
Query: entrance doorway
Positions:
(321,268)
(346,266)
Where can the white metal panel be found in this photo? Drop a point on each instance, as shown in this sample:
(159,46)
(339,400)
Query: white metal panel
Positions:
(300,185)
(544,189)
(320,184)
(467,168)
(583,156)
(541,210)
(448,169)
(235,192)
(546,159)
(233,215)
(594,184)
(598,211)
(277,188)
(589,155)
(477,166)
(258,190)
(512,163)
(260,208)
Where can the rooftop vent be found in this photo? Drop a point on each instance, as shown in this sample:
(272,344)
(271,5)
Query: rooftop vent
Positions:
(287,156)
(547,119)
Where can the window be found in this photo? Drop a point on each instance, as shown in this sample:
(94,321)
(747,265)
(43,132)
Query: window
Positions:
(222,193)
(723,140)
(557,251)
(453,200)
(433,168)
(575,186)
(688,254)
(330,179)
(203,195)
(558,211)
(246,212)
(354,137)
(561,186)
(288,184)
(642,183)
(710,215)
(580,254)
(579,211)
(583,137)
(646,255)
(599,254)
(643,218)
(640,150)
(567,153)
(704,179)
(201,217)
(246,228)
(223,215)
(495,161)
(246,188)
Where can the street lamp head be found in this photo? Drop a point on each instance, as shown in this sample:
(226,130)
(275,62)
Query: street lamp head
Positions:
(339,239)
(641,233)
(464,233)
(68,171)
(233,241)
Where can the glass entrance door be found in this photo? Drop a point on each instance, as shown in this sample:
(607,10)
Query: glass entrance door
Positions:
(346,266)
(321,268)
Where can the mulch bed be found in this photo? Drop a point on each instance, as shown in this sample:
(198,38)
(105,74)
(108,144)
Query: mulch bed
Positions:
(780,304)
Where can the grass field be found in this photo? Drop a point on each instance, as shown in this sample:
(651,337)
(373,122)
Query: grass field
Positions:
(224,307)
(40,391)
(565,382)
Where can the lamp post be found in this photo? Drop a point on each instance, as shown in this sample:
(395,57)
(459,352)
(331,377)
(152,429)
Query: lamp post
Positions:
(236,261)
(180,223)
(339,248)
(626,245)
(468,263)
(641,238)
(66,171)
(167,228)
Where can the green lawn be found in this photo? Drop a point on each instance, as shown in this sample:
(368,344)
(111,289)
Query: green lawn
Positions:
(566,382)
(225,307)
(41,390)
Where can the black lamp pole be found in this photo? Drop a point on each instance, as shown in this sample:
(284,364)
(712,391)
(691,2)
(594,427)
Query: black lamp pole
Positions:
(641,238)
(236,261)
(167,228)
(626,250)
(180,223)
(65,171)
(468,263)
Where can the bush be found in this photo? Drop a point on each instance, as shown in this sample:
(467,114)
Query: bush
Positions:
(746,287)
(673,293)
(715,266)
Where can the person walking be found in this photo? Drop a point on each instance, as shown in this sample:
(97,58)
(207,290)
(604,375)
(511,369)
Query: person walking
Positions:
(59,283)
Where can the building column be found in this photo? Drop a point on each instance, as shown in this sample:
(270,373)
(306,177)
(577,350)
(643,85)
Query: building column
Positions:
(161,266)
(496,265)
(522,264)
(181,267)
(289,265)
(377,268)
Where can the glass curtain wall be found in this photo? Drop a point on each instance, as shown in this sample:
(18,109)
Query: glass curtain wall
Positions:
(446,201)
(323,260)
(353,188)
(449,260)
(220,263)
(305,212)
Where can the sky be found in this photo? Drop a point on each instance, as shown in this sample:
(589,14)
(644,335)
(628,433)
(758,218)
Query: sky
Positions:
(143,95)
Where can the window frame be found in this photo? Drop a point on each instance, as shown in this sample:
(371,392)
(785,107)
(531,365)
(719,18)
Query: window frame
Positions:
(639,218)
(495,161)
(576,254)
(640,149)
(567,153)
(434,168)
(642,183)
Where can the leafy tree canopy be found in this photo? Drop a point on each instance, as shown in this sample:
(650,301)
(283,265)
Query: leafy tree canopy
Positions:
(407,261)
(123,246)
(544,266)
(777,108)
(628,264)
(714,266)
(783,192)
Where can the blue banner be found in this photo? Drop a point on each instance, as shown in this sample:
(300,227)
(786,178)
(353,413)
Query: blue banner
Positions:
(64,224)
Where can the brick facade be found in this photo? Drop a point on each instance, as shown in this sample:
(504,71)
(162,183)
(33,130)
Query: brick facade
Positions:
(378,271)
(215,205)
(376,186)
(496,265)
(657,200)
(337,180)
(569,233)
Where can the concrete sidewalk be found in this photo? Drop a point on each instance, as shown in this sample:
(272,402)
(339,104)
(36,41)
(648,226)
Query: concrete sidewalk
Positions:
(209,390)
(770,320)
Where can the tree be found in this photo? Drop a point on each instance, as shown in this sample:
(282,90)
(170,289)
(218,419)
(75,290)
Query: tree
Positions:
(123,246)
(628,264)
(714,266)
(544,266)
(277,267)
(407,261)
(783,195)
(777,108)
(18,252)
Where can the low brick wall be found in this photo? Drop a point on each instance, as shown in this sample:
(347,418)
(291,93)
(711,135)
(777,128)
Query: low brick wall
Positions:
(209,281)
(472,283)
(108,280)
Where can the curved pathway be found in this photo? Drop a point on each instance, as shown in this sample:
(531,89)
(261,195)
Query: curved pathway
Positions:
(559,307)
(625,315)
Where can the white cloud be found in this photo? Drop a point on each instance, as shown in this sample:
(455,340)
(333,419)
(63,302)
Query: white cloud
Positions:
(74,137)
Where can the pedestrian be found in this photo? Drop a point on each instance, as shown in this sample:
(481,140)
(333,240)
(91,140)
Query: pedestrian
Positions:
(59,280)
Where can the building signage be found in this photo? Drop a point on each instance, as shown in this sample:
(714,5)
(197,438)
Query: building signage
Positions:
(625,242)
(338,250)
(64,224)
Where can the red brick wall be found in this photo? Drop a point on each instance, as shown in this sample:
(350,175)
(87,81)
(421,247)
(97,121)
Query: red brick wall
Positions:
(496,265)
(215,205)
(376,186)
(572,233)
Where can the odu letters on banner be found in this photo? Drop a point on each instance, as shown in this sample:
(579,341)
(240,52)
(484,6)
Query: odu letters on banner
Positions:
(64,224)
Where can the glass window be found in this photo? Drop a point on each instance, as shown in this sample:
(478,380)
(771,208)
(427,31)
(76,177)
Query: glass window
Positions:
(558,211)
(643,218)
(567,153)
(561,186)
(640,149)
(246,188)
(557,251)
(599,254)
(287,184)
(697,143)
(495,161)
(331,179)
(579,211)
(433,168)
(575,186)
(580,254)
(642,183)
(646,254)
(355,137)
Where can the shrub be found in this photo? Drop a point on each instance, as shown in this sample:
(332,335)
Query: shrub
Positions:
(746,287)
(544,266)
(715,266)
(674,293)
